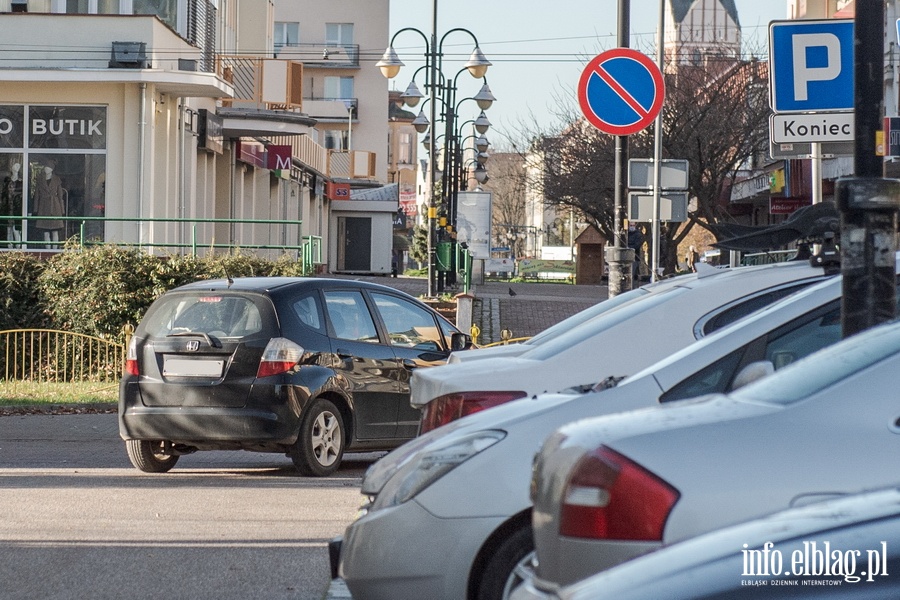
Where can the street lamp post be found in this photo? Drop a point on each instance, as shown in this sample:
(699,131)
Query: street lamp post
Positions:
(390,65)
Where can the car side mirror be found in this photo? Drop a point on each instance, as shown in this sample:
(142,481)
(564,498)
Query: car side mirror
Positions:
(460,341)
(752,372)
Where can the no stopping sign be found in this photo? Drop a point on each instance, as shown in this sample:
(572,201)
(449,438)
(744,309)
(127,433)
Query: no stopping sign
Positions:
(621,91)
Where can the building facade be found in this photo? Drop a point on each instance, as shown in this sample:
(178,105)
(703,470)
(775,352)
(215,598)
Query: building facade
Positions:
(177,126)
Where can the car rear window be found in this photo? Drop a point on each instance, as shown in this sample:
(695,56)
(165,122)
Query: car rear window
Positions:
(214,314)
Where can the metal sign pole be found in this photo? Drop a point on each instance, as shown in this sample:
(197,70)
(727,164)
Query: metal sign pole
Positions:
(620,257)
(657,150)
(868,202)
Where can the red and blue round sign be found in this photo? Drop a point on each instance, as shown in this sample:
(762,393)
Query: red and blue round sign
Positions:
(621,91)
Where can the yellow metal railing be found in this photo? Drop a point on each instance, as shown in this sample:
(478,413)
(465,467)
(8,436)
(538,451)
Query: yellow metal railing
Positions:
(49,355)
(517,340)
(506,338)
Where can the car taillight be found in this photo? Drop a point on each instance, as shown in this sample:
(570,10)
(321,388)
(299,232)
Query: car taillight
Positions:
(280,356)
(611,497)
(131,363)
(450,407)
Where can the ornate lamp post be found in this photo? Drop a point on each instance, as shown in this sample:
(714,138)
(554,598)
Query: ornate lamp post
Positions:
(438,88)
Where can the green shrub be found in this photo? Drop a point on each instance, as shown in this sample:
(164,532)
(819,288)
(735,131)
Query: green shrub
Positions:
(97,290)
(21,303)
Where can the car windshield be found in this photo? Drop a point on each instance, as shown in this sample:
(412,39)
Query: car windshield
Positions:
(824,368)
(587,314)
(215,314)
(572,337)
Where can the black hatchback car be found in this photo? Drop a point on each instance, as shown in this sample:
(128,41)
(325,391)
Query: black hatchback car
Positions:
(309,367)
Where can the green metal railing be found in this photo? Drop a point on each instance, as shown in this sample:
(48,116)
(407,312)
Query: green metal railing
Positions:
(308,247)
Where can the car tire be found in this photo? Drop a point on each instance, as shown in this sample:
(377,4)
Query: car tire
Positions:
(320,445)
(500,575)
(148,456)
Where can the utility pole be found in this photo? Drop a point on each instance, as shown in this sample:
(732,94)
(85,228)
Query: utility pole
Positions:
(868,201)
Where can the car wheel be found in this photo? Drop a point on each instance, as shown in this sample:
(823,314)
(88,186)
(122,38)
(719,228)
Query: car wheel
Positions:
(149,457)
(320,445)
(504,569)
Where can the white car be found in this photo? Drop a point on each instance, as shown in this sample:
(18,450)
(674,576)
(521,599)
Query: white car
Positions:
(609,489)
(558,329)
(660,319)
(449,514)
(777,556)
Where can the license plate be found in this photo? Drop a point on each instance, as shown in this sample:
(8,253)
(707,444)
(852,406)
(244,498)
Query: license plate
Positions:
(179,367)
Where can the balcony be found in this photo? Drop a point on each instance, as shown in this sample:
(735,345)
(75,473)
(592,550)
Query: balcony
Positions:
(163,58)
(263,83)
(355,164)
(322,56)
(331,110)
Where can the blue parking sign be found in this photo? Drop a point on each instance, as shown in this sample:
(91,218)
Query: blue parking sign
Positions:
(811,65)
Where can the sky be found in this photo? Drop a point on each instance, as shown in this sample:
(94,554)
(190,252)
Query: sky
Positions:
(538,49)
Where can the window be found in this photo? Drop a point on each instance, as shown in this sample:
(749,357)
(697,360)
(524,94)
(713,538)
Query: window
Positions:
(338,34)
(339,88)
(307,310)
(286,34)
(350,317)
(405,142)
(714,378)
(167,10)
(335,139)
(408,325)
(745,306)
(101,7)
(789,343)
(53,169)
(216,315)
(840,361)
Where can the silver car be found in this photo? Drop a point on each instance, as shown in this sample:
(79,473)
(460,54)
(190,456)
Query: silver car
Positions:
(449,514)
(841,548)
(661,319)
(608,489)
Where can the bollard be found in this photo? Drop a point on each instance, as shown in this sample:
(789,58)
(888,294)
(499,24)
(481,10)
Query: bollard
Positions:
(620,262)
(464,306)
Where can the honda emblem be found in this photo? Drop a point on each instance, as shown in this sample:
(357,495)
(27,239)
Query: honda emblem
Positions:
(193,346)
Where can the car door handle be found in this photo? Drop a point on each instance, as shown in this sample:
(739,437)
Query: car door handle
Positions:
(343,354)
(409,363)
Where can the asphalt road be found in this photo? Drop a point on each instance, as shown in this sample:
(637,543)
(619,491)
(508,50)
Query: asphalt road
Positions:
(77,521)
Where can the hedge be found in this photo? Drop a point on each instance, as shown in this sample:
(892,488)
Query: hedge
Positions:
(96,291)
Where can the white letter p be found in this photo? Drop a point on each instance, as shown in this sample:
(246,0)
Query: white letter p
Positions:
(804,74)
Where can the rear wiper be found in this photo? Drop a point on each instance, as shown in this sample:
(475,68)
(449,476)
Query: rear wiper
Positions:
(205,336)
(610,382)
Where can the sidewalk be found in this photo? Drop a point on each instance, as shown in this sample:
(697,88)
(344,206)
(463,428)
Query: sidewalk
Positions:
(533,308)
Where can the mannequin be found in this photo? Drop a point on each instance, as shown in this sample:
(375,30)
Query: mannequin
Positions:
(49,201)
(11,201)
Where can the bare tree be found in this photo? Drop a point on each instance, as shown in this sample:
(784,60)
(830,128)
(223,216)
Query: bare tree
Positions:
(508,185)
(715,116)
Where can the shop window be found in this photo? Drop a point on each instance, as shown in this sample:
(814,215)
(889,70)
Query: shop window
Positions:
(53,171)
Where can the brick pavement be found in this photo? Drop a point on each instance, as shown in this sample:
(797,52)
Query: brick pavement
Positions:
(533,308)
